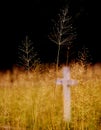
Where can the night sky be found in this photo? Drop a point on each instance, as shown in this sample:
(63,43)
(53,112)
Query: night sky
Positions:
(19,19)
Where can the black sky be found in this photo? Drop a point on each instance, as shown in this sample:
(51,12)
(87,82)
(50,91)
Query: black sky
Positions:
(19,19)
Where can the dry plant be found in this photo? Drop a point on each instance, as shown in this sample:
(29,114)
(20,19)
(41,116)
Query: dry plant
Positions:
(27,55)
(84,57)
(30,104)
(63,33)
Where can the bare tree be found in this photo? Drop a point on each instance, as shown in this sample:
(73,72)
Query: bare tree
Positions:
(63,32)
(27,56)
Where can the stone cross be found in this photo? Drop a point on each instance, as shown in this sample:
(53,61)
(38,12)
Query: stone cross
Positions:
(66,82)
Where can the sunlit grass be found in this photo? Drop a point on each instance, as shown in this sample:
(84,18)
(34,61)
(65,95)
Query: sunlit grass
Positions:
(31,101)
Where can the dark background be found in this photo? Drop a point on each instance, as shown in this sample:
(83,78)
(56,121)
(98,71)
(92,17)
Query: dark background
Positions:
(19,19)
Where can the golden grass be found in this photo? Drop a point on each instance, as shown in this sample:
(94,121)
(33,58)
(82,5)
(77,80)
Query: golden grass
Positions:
(31,101)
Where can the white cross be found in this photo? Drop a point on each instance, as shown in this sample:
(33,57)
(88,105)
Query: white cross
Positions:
(66,81)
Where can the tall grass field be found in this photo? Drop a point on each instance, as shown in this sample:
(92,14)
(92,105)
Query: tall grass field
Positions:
(33,101)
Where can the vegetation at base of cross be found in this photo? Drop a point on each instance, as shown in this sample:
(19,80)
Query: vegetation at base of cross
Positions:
(30,101)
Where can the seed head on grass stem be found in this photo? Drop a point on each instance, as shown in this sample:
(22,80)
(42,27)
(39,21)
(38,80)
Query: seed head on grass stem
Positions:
(27,55)
(62,33)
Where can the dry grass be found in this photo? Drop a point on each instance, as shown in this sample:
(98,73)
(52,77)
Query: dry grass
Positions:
(33,102)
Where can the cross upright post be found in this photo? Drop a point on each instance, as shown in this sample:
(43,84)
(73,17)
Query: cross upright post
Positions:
(66,82)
